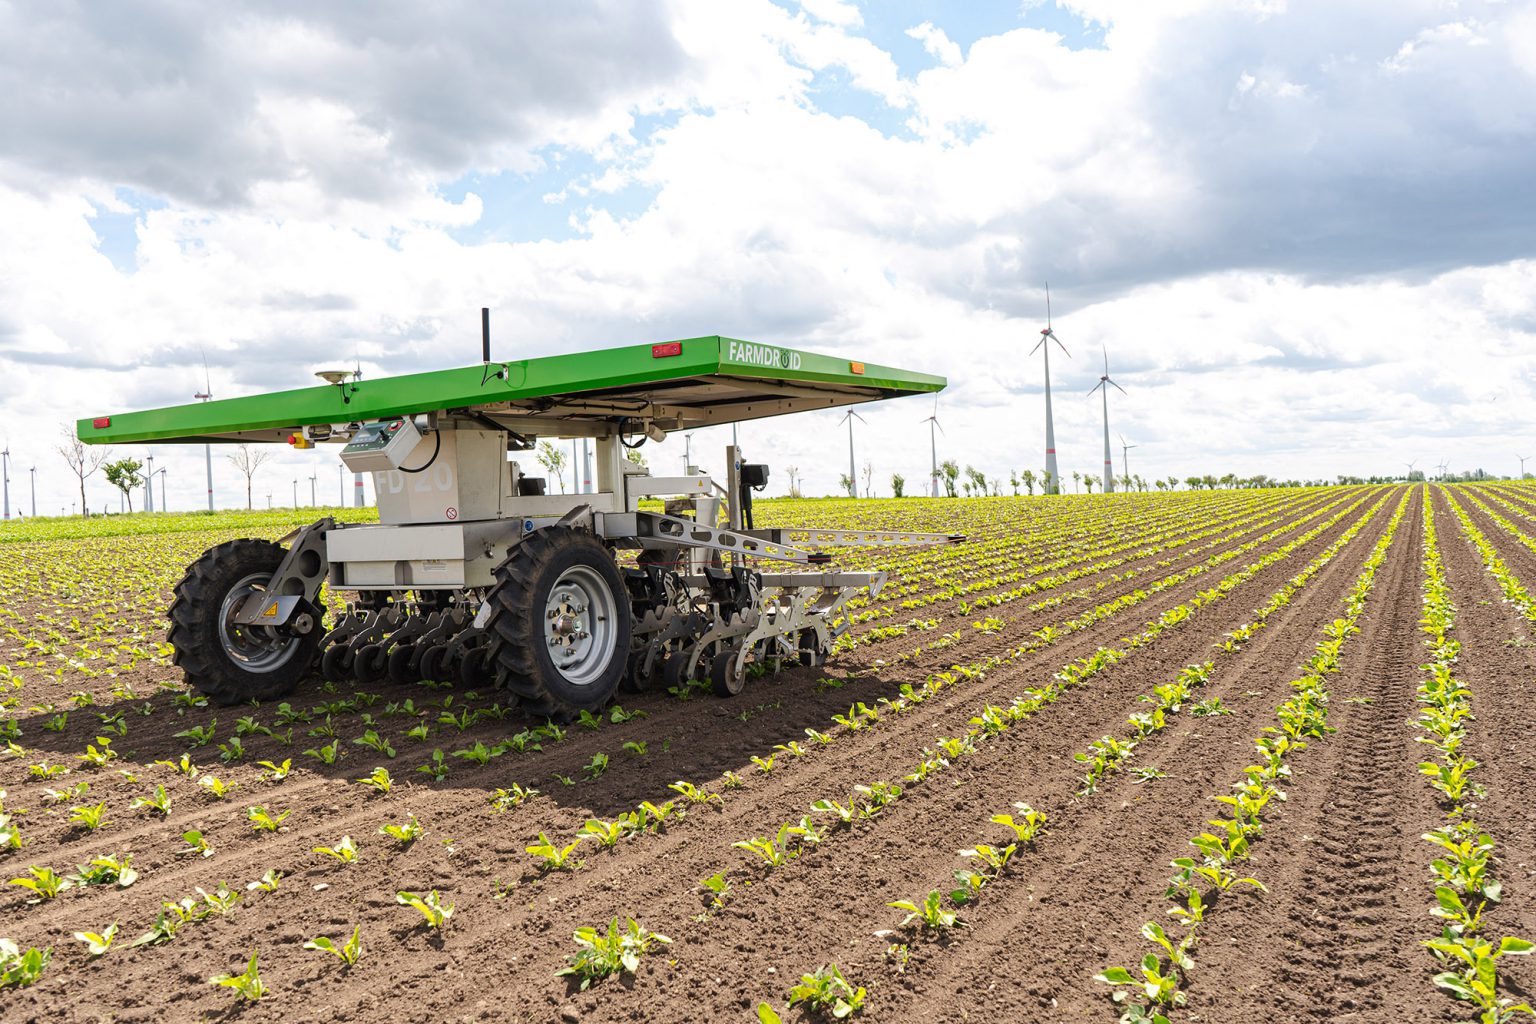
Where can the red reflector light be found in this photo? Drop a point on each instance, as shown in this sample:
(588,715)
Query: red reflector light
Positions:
(856,368)
(101,422)
(293,438)
(671,348)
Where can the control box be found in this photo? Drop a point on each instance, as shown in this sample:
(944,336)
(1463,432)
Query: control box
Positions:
(381,446)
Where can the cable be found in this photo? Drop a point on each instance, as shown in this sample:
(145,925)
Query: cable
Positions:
(435,450)
(643,437)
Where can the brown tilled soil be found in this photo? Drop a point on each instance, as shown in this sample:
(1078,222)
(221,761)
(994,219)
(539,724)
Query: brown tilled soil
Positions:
(1335,937)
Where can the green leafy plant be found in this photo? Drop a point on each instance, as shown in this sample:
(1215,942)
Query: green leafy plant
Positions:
(827,991)
(200,735)
(405,834)
(930,913)
(328,754)
(45,883)
(90,817)
(719,888)
(159,801)
(378,780)
(374,741)
(97,943)
(597,766)
(602,953)
(98,757)
(104,871)
(170,920)
(248,984)
(344,851)
(221,901)
(349,952)
(436,767)
(430,906)
(695,795)
(552,857)
(19,969)
(262,821)
(215,787)
(1026,826)
(268,882)
(196,843)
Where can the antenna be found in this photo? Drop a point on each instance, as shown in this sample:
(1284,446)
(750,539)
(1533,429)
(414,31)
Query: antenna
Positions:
(485,334)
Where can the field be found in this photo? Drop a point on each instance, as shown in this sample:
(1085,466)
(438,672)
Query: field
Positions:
(1283,690)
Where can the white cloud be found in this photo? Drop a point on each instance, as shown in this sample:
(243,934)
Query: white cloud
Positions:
(939,46)
(1275,233)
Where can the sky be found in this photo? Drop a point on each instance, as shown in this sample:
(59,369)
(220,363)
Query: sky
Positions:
(1303,234)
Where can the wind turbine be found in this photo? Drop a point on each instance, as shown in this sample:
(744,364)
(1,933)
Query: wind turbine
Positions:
(1443,467)
(1125,458)
(1522,459)
(1104,385)
(1410,466)
(853,478)
(202,396)
(933,447)
(1053,485)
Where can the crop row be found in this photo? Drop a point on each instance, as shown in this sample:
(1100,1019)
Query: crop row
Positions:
(1464,886)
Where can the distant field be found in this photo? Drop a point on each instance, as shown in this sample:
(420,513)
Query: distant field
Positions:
(1018,736)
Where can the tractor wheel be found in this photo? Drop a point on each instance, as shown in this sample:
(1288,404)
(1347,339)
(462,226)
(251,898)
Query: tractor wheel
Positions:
(336,662)
(434,664)
(370,665)
(560,623)
(226,661)
(811,653)
(402,664)
(475,669)
(728,673)
(636,679)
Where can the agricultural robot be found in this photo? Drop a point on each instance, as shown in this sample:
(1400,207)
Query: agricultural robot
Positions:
(476,573)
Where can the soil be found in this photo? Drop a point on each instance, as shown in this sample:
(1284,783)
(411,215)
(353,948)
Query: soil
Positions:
(1335,937)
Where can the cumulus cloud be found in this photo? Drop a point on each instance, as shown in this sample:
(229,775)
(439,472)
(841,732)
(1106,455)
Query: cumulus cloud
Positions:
(1275,216)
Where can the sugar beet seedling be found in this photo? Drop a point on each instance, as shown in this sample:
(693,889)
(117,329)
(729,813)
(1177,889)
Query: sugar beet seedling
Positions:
(476,573)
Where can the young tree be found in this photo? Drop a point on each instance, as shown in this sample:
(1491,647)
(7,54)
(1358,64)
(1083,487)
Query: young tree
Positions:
(846,483)
(1077,479)
(1173,483)
(124,475)
(248,460)
(978,481)
(869,475)
(82,462)
(1194,482)
(1013,478)
(950,470)
(1088,482)
(794,480)
(1048,483)
(898,482)
(552,458)
(1028,477)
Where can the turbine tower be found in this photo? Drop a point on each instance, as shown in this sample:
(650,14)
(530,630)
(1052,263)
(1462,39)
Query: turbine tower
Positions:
(933,448)
(1104,385)
(203,396)
(1053,483)
(853,473)
(1125,456)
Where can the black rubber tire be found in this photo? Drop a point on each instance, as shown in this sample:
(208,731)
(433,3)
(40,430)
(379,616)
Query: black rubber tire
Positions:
(518,647)
(674,669)
(336,663)
(810,655)
(370,664)
(402,664)
(726,683)
(636,681)
(475,670)
(195,628)
(432,664)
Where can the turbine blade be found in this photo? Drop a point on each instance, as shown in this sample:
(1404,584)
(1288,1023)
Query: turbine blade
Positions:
(1119,388)
(1047,305)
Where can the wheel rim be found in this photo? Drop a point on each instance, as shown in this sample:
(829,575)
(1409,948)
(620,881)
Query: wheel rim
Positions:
(580,625)
(254,648)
